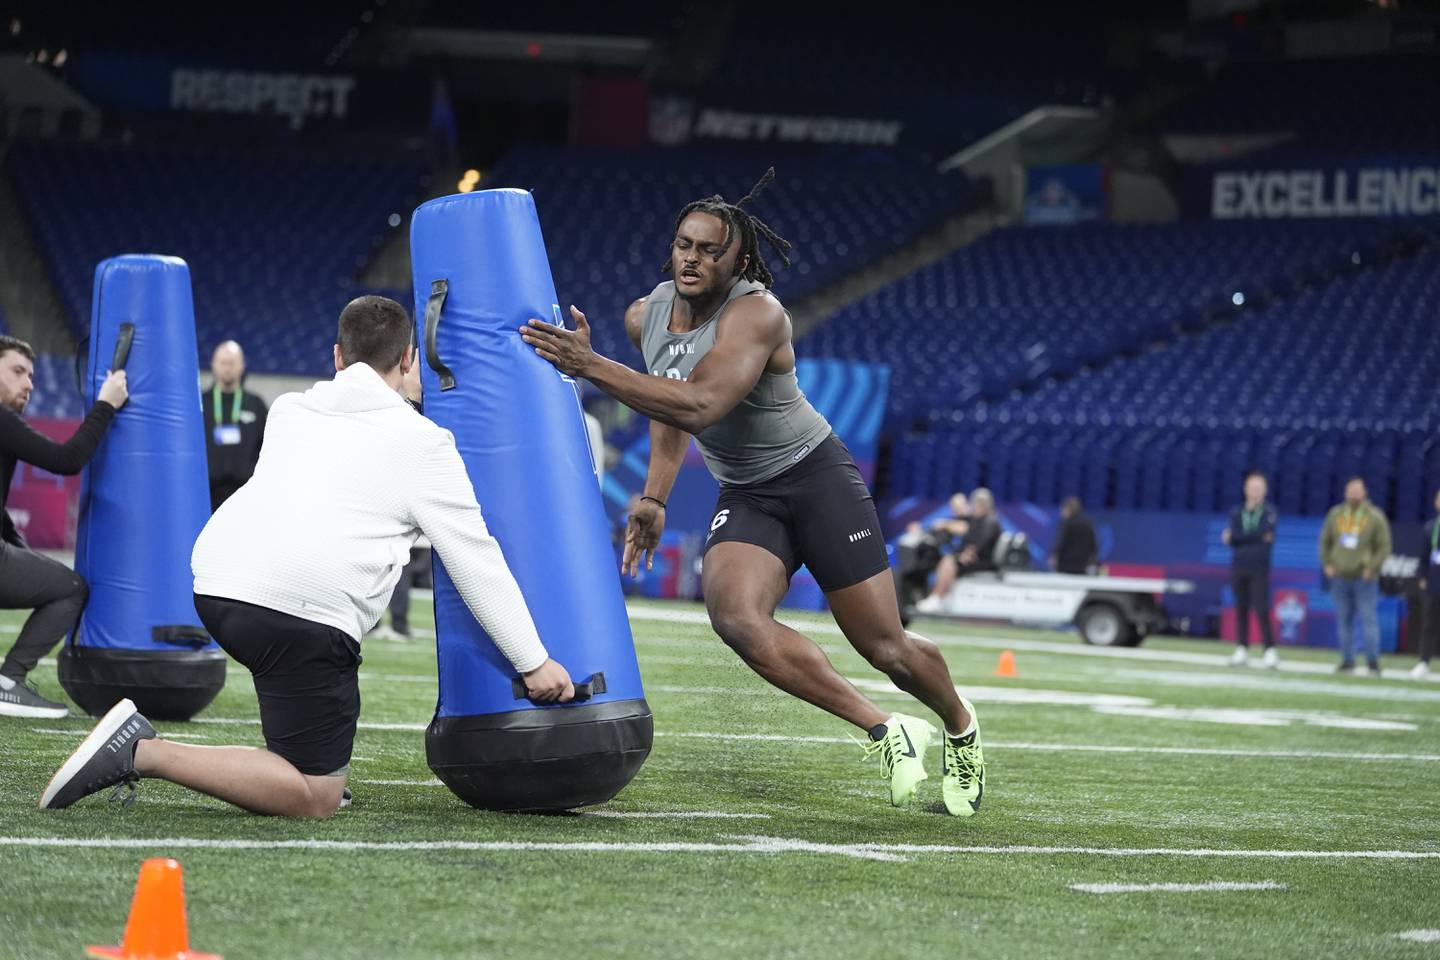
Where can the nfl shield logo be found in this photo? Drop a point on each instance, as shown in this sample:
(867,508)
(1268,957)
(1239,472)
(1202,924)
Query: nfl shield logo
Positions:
(670,120)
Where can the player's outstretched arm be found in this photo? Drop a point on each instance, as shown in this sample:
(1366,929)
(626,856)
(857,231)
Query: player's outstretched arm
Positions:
(646,522)
(748,334)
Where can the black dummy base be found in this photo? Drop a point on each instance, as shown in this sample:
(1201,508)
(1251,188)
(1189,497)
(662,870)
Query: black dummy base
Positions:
(165,685)
(541,760)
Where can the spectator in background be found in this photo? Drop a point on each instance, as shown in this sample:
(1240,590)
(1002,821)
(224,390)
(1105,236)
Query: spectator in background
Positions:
(1075,549)
(976,553)
(235,424)
(1429,593)
(919,551)
(28,580)
(1353,544)
(1250,534)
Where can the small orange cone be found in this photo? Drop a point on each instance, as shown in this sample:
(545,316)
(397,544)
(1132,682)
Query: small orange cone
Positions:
(156,929)
(1006,666)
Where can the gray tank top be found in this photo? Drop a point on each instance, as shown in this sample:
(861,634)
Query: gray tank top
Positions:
(770,430)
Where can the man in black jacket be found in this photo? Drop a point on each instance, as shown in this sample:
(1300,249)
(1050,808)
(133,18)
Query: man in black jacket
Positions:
(1429,593)
(1250,533)
(28,580)
(1075,550)
(234,424)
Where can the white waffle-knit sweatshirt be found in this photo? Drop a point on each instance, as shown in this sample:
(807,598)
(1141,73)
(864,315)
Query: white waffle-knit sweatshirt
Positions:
(349,476)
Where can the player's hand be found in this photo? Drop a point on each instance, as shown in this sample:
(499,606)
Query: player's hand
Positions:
(1329,571)
(914,527)
(1225,537)
(568,350)
(1054,563)
(1367,574)
(116,389)
(642,536)
(549,683)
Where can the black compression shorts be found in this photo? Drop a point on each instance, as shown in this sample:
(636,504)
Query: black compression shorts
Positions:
(306,676)
(818,513)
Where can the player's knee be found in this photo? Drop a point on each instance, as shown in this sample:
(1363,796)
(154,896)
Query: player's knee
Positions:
(740,629)
(321,806)
(889,654)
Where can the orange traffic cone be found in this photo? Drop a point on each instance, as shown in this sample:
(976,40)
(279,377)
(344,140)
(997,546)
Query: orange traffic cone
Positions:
(1006,666)
(156,929)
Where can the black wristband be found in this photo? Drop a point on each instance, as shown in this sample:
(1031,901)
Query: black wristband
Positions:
(654,500)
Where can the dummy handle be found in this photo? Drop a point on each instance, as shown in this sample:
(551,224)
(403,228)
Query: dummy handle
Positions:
(438,291)
(180,636)
(591,686)
(122,346)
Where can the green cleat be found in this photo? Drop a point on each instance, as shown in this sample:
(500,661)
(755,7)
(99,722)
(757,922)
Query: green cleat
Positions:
(963,771)
(902,754)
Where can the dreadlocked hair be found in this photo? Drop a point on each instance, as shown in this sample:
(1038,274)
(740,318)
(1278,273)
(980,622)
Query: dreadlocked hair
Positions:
(749,228)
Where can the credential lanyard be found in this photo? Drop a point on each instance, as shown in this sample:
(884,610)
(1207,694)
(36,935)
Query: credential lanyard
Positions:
(234,406)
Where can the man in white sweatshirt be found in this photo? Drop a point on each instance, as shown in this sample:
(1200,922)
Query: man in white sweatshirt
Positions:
(296,566)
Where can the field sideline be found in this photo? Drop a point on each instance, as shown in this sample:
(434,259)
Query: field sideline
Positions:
(1146,803)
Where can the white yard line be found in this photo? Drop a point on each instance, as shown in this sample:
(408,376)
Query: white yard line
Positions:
(1420,936)
(732,844)
(1218,885)
(994,745)
(1089,748)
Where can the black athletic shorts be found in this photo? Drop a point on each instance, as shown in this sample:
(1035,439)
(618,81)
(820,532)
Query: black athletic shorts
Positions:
(818,513)
(306,676)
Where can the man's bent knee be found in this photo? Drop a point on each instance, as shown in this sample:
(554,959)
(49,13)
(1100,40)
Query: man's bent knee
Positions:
(325,796)
(741,630)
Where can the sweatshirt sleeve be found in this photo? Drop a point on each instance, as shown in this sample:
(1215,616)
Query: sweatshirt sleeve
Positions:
(25,443)
(448,515)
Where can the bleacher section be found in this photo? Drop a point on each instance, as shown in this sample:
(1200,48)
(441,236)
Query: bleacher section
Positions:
(273,240)
(1331,378)
(974,80)
(1358,105)
(608,218)
(57,393)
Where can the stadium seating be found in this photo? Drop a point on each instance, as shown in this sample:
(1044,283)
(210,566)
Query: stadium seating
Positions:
(1350,105)
(608,217)
(1049,362)
(273,240)
(976,79)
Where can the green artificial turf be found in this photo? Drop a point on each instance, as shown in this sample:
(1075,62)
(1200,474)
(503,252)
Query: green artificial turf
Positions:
(794,876)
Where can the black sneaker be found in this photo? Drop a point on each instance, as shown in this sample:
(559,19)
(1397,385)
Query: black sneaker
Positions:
(1345,668)
(105,758)
(19,699)
(346,798)
(1374,668)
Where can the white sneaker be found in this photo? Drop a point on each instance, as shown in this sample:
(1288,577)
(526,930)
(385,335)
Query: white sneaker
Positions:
(1420,671)
(1271,660)
(930,604)
(1240,657)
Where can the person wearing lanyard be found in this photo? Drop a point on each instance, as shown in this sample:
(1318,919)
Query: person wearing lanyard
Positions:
(1430,594)
(1353,544)
(1250,534)
(235,424)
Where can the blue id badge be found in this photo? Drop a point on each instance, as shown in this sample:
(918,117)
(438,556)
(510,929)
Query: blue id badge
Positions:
(227,434)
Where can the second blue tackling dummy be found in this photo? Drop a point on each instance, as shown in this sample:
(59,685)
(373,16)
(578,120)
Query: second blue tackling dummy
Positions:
(480,272)
(144,498)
